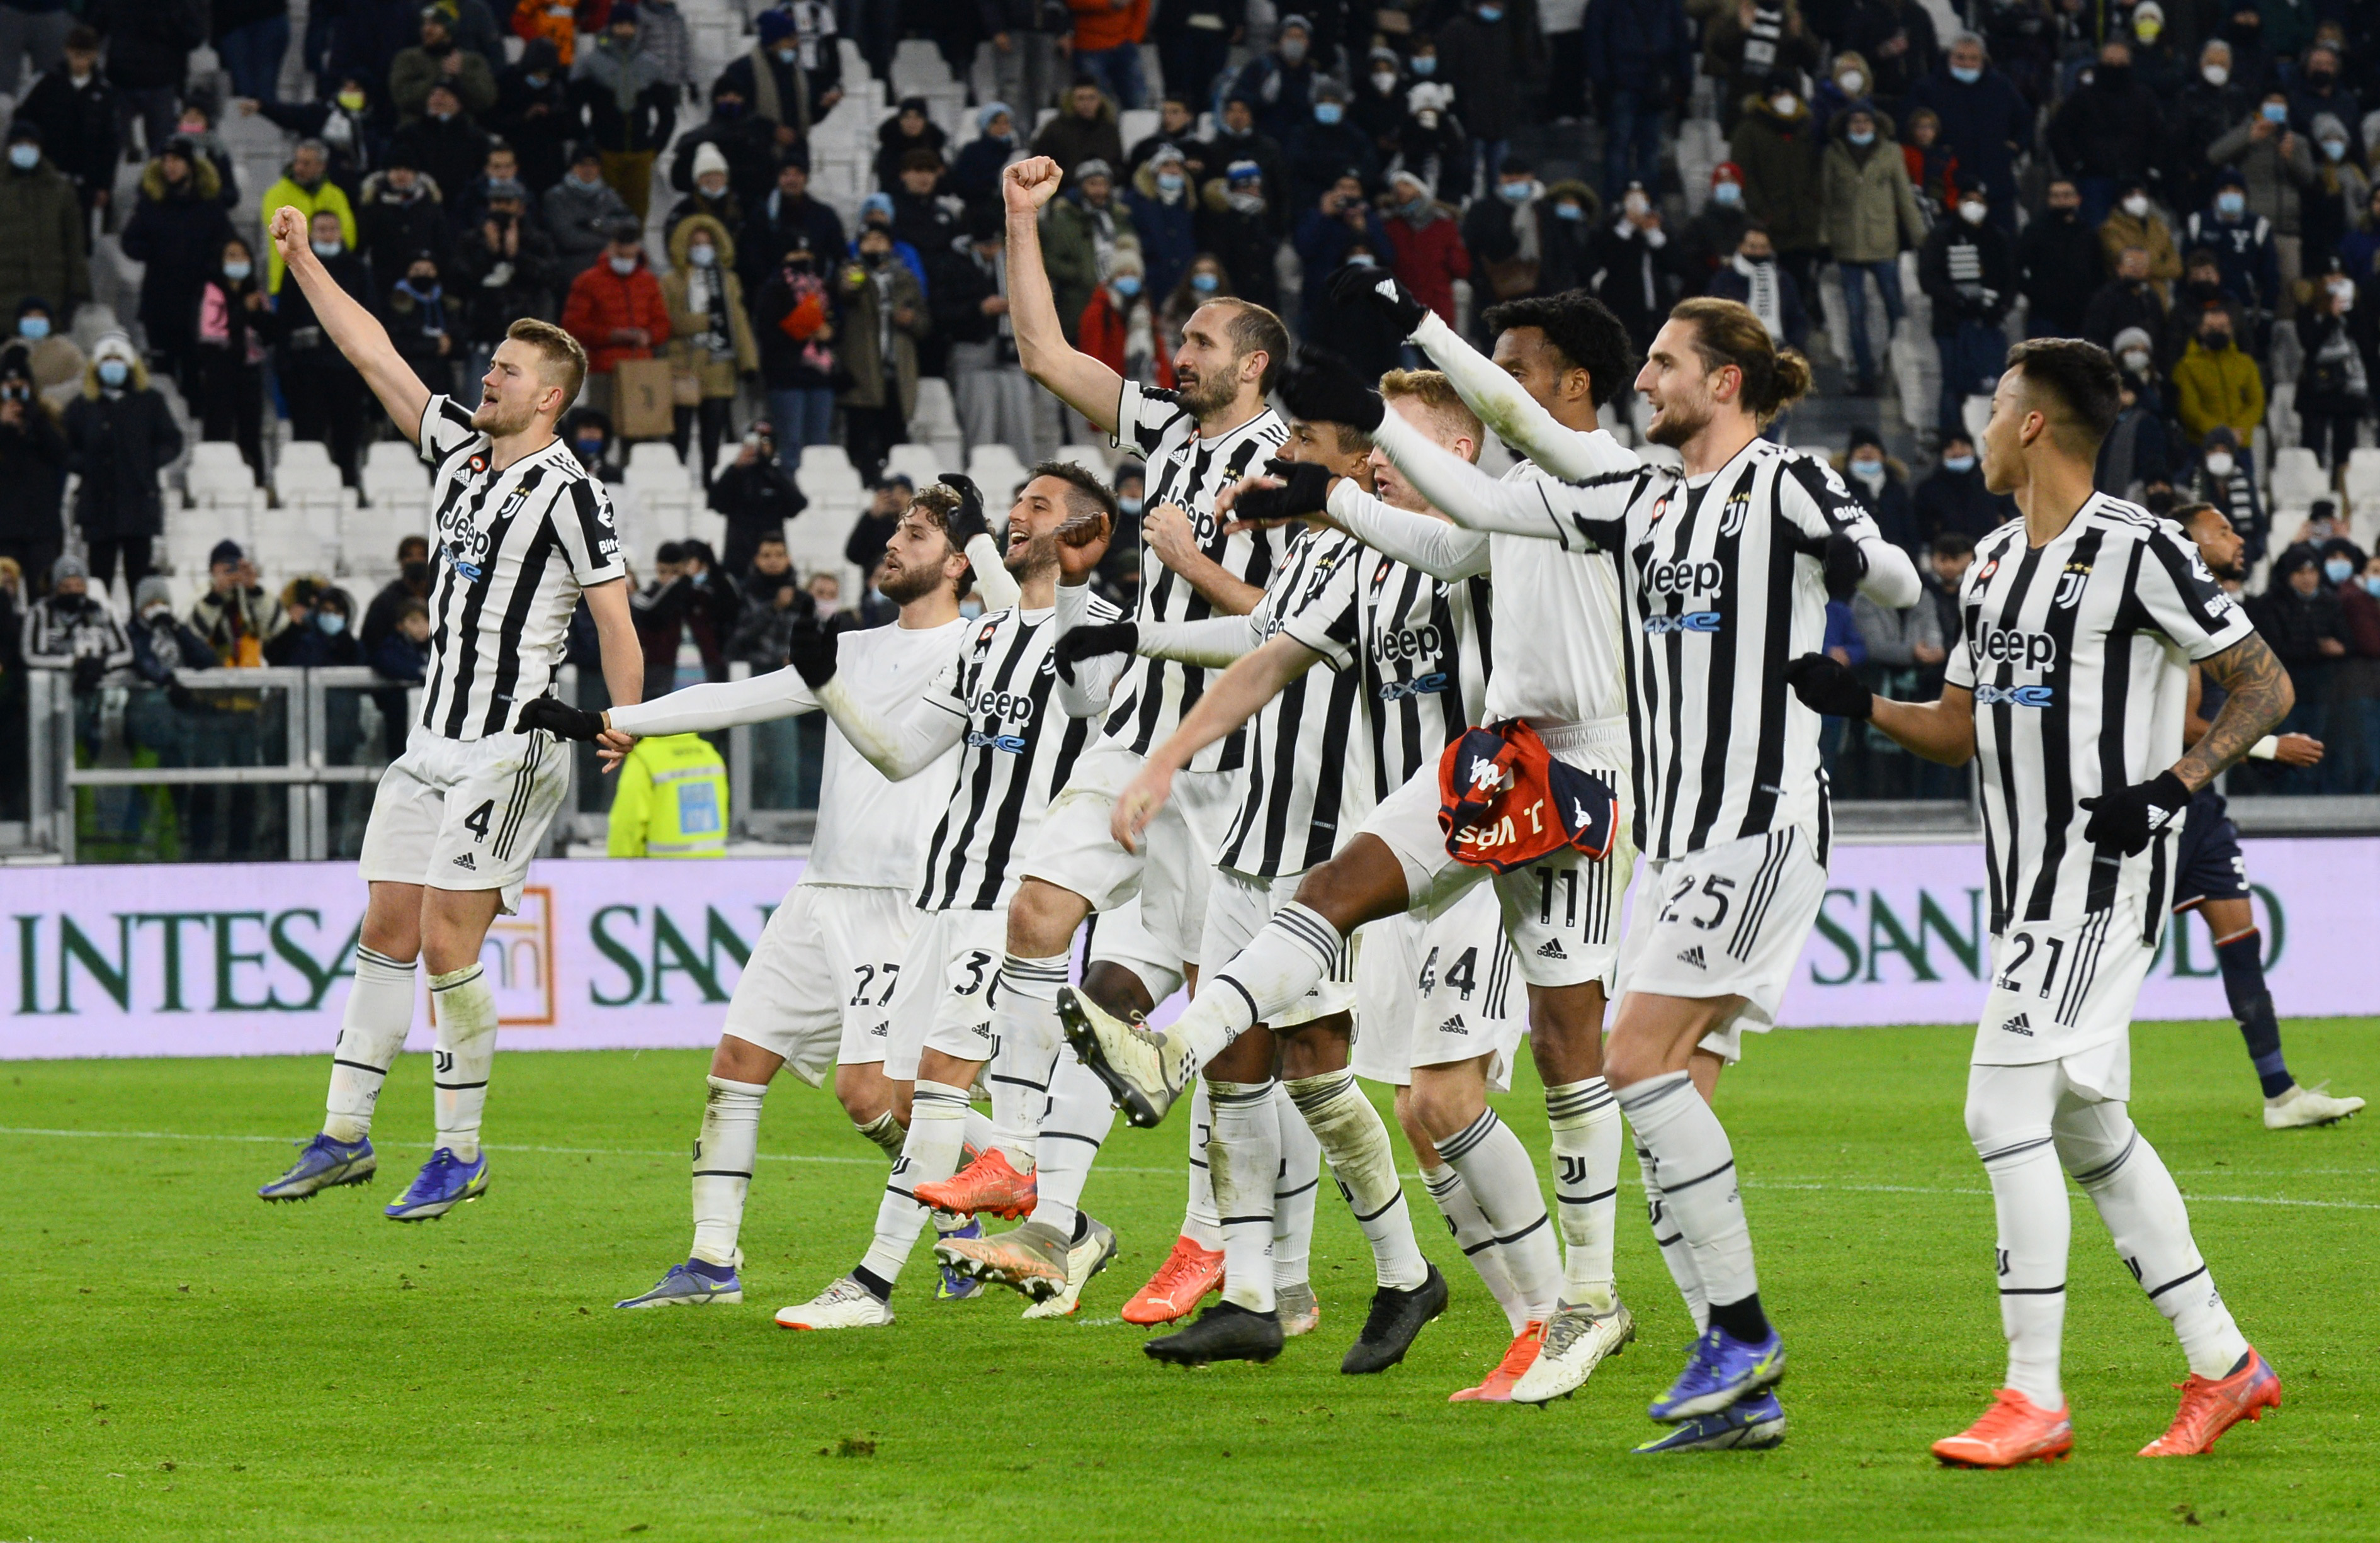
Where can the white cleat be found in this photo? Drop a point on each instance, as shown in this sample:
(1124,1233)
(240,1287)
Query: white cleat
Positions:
(1576,1342)
(1144,1069)
(2307,1106)
(1084,1261)
(1300,1313)
(844,1305)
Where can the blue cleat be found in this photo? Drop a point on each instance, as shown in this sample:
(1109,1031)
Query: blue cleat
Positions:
(957,1287)
(690,1285)
(1753,1424)
(323,1164)
(444,1182)
(1720,1369)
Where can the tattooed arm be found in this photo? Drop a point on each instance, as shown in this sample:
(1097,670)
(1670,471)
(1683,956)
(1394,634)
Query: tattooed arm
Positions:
(2260,698)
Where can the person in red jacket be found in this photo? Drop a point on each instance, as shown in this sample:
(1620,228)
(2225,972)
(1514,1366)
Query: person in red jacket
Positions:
(615,311)
(1426,238)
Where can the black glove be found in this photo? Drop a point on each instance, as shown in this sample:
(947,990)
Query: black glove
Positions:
(88,669)
(1845,566)
(558,718)
(1090,643)
(967,522)
(1826,685)
(1306,487)
(810,649)
(2127,817)
(1378,288)
(1323,388)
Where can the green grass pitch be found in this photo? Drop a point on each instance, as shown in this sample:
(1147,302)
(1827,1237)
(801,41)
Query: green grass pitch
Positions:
(184,1362)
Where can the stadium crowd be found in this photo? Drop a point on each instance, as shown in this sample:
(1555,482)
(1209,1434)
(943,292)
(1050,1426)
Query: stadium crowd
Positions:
(2188,183)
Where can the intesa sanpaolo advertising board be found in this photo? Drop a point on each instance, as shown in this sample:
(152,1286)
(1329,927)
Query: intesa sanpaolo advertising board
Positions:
(253,959)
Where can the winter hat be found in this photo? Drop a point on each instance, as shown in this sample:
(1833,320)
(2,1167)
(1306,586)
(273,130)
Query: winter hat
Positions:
(67,567)
(875,203)
(707,160)
(988,111)
(1093,167)
(1326,89)
(2220,435)
(1385,57)
(24,128)
(1294,20)
(916,104)
(775,27)
(227,554)
(1242,171)
(152,589)
(1420,183)
(1165,154)
(2132,338)
(1431,96)
(1727,171)
(115,346)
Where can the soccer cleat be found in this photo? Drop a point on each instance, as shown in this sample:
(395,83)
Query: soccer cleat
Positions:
(691,1284)
(1085,1258)
(1720,1369)
(844,1305)
(955,1286)
(1397,1316)
(987,1185)
(2013,1431)
(1187,1274)
(1225,1331)
(1753,1424)
(2308,1106)
(1497,1386)
(323,1164)
(444,1182)
(1145,1071)
(1576,1342)
(1300,1313)
(2212,1405)
(1031,1259)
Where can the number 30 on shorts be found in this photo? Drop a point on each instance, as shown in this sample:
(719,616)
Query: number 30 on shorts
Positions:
(975,970)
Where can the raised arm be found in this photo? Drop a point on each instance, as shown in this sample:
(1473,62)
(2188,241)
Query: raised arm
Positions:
(1442,550)
(1075,378)
(1213,643)
(362,339)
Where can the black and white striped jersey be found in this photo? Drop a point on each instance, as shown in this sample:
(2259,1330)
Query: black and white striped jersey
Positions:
(2079,654)
(1426,646)
(513,548)
(1723,589)
(1018,753)
(1304,777)
(1187,470)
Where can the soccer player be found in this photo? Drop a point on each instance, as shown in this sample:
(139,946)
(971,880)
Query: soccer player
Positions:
(817,992)
(2211,874)
(993,699)
(2083,621)
(1557,654)
(522,533)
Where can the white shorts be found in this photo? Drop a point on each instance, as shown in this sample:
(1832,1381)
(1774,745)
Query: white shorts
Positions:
(1728,920)
(818,988)
(943,1000)
(1432,990)
(2065,991)
(466,814)
(1118,938)
(1075,850)
(1237,907)
(1562,912)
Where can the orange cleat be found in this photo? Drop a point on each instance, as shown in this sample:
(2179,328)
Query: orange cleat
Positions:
(1519,1356)
(1187,1274)
(2013,1431)
(987,1186)
(2211,1407)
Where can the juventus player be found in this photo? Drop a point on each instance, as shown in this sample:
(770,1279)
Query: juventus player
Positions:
(993,699)
(522,533)
(2082,623)
(1557,669)
(815,994)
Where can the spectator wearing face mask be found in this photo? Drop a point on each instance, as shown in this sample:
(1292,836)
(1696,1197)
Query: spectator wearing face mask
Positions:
(2215,384)
(1326,147)
(1631,262)
(2059,263)
(1278,86)
(72,111)
(788,219)
(1754,46)
(2136,351)
(51,358)
(711,331)
(792,76)
(236,329)
(580,211)
(2334,385)
(1117,326)
(1880,482)
(2320,93)
(532,113)
(1235,223)
(1933,168)
(2108,131)
(345,123)
(1896,42)
(884,316)
(1754,277)
(319,635)
(42,234)
(795,319)
(2243,243)
(74,631)
(1164,210)
(236,614)
(757,499)
(713,193)
(1484,57)
(1710,238)
(1986,122)
(1870,217)
(1425,244)
(620,93)
(1206,278)
(975,173)
(1952,502)
(424,324)
(120,437)
(1968,270)
(504,267)
(2134,222)
(2353,764)
(177,231)
(161,642)
(1776,142)
(2226,477)
(2276,171)
(1081,231)
(1432,143)
(2300,616)
(443,144)
(1376,103)
(1506,233)
(2340,193)
(616,311)
(589,434)
(2205,108)
(32,470)
(902,135)
(324,394)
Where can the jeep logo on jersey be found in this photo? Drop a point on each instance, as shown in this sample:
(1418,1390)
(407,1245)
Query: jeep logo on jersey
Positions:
(1407,642)
(2014,696)
(1692,621)
(1683,578)
(1012,707)
(2008,645)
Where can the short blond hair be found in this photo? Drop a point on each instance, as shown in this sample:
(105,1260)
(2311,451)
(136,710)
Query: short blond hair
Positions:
(565,361)
(1439,399)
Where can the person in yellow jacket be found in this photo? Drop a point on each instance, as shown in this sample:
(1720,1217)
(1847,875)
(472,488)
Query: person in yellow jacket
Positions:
(306,186)
(672,800)
(2214,382)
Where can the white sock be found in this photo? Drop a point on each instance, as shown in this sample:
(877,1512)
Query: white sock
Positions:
(1242,1162)
(1272,974)
(379,1016)
(1496,1170)
(1696,1168)
(884,1132)
(1293,1195)
(2144,1210)
(2035,1230)
(937,1125)
(1672,1244)
(980,1138)
(466,1053)
(1025,1027)
(724,1152)
(1356,1141)
(1476,1235)
(1201,1222)
(1584,1120)
(1079,1118)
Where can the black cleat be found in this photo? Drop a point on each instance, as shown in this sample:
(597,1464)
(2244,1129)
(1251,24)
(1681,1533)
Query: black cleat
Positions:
(1394,1322)
(1225,1331)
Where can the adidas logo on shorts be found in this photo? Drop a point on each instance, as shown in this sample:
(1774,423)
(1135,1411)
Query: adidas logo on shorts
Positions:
(1693,956)
(1454,1026)
(1551,949)
(2018,1024)
(464,861)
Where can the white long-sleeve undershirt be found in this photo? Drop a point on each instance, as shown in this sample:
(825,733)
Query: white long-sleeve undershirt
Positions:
(899,748)
(1443,550)
(718,705)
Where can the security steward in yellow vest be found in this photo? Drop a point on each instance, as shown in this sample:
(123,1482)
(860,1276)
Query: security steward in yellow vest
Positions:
(672,800)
